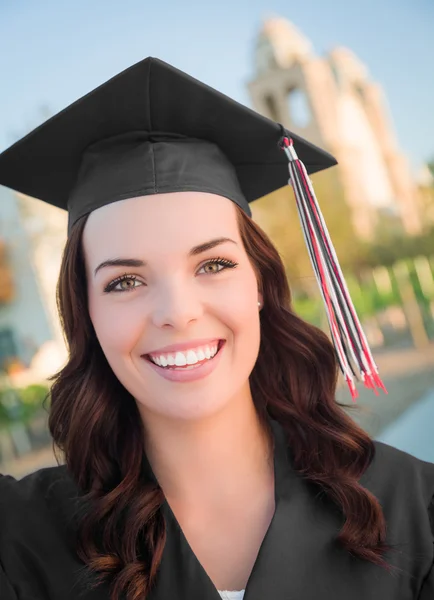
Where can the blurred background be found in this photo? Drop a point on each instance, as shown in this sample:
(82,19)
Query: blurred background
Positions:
(352,77)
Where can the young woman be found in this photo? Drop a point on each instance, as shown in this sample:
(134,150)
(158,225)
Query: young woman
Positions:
(205,456)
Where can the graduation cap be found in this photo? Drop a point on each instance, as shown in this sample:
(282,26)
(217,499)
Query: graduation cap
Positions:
(154,129)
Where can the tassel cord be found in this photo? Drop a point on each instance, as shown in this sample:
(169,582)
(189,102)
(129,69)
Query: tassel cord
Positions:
(340,280)
(349,339)
(340,303)
(320,272)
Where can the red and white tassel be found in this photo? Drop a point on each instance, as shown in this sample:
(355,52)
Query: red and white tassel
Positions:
(352,349)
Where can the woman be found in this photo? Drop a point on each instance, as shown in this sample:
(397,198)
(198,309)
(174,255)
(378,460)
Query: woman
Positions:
(205,455)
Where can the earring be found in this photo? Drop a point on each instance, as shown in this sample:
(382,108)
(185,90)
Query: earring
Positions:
(259,304)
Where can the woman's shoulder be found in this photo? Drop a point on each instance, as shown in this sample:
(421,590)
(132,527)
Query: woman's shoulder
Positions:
(400,463)
(37,534)
(44,495)
(45,474)
(397,476)
(32,485)
(404,486)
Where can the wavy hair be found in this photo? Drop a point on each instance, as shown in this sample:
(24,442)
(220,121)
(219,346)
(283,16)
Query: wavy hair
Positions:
(95,423)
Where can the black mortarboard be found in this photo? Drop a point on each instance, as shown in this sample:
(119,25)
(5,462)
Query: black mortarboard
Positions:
(151,129)
(154,129)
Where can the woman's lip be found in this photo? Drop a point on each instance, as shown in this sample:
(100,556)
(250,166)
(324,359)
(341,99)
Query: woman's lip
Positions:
(158,353)
(186,375)
(191,345)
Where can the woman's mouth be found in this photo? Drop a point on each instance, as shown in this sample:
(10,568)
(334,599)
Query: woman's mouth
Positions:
(169,362)
(187,372)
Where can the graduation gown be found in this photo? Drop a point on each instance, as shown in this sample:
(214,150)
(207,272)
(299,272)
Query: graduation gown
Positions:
(298,558)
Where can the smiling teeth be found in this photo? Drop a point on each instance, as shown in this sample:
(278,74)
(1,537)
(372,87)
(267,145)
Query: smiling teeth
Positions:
(181,359)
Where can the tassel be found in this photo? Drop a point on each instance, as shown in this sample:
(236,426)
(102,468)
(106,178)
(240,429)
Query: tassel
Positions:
(351,346)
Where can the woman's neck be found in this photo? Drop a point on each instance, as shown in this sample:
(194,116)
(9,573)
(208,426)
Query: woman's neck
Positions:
(213,462)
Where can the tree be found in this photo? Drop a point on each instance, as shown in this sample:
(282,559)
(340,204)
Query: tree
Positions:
(277,214)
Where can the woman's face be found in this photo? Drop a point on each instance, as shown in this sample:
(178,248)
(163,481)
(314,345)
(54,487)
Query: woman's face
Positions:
(166,294)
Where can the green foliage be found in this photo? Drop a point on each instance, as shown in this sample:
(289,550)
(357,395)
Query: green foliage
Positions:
(368,268)
(375,290)
(309,309)
(394,246)
(363,294)
(20,404)
(33,395)
(277,215)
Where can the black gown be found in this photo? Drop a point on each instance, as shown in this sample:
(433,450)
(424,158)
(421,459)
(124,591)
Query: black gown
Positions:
(298,559)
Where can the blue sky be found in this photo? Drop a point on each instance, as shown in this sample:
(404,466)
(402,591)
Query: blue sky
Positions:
(52,52)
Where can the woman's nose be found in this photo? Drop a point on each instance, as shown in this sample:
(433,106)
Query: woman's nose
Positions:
(176,309)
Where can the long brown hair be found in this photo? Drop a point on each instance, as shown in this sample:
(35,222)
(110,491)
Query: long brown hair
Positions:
(95,423)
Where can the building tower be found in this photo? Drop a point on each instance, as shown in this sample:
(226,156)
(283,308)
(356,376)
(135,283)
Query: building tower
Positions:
(332,102)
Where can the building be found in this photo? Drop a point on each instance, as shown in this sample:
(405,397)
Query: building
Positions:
(425,182)
(332,101)
(31,239)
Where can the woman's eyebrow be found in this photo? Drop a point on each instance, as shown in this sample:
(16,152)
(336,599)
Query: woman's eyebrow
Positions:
(209,245)
(136,262)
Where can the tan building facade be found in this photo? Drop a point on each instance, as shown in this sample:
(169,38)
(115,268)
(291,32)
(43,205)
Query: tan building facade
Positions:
(32,237)
(332,102)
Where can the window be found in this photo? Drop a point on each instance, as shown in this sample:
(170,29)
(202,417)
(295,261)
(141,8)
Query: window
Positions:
(298,106)
(265,59)
(272,112)
(8,347)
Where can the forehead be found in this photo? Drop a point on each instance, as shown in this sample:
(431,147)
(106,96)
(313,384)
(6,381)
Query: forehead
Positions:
(175,221)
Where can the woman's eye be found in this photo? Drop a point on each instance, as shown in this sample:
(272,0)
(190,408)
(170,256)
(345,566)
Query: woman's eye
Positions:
(123,284)
(127,282)
(216,265)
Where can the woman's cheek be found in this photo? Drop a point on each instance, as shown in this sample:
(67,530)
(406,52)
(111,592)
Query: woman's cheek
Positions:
(241,300)
(117,328)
